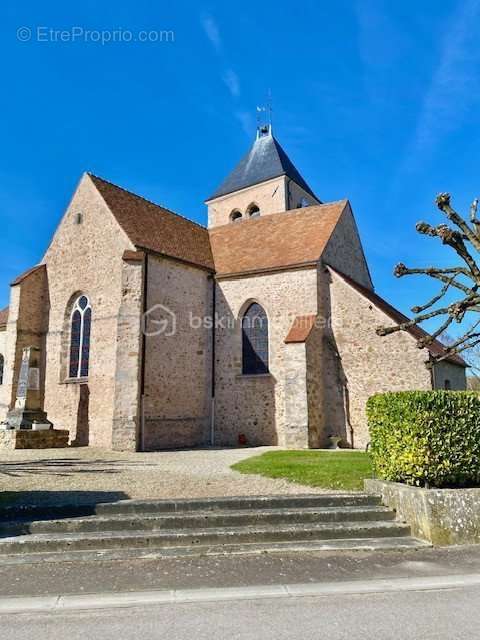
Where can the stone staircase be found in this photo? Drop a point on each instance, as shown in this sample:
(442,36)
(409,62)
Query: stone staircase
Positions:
(205,526)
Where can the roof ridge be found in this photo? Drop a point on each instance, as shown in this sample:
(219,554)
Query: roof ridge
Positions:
(155,204)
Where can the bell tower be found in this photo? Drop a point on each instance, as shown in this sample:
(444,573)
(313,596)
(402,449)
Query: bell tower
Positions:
(265,181)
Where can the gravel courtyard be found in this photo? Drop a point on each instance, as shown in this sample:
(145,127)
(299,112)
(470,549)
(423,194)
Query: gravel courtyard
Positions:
(86,474)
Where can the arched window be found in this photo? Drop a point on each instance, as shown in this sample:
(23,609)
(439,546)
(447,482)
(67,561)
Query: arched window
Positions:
(254,340)
(447,385)
(235,216)
(80,324)
(253,211)
(2,364)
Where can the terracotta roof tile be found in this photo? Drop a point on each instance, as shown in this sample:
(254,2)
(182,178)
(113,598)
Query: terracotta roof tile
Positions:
(300,329)
(26,273)
(436,348)
(152,227)
(275,241)
(3,317)
(133,256)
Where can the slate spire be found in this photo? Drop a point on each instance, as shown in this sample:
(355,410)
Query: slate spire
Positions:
(265,160)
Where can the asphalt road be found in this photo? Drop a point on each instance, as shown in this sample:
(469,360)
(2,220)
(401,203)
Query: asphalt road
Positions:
(428,613)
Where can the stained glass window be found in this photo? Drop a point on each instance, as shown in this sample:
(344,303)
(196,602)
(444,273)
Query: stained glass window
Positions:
(255,340)
(80,338)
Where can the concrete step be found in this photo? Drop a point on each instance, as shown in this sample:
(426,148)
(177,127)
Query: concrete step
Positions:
(298,546)
(198,519)
(47,512)
(48,542)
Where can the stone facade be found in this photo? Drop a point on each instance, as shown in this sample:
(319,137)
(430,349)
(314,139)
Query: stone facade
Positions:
(3,388)
(178,361)
(344,250)
(85,257)
(366,363)
(167,298)
(448,376)
(254,406)
(273,196)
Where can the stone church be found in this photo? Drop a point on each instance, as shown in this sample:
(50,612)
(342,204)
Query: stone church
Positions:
(155,332)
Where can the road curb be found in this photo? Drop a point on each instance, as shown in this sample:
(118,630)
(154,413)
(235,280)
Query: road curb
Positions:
(59,603)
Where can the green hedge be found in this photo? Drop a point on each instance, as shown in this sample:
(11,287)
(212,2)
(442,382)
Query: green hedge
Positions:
(426,438)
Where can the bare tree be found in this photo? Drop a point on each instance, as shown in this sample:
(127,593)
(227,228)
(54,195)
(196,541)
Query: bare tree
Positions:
(464,279)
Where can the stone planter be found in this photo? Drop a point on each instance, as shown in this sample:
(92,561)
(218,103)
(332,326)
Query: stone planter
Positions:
(440,516)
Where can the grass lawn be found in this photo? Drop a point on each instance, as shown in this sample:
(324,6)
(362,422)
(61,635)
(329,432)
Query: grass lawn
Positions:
(328,469)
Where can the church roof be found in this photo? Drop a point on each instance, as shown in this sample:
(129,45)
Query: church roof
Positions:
(435,348)
(19,279)
(265,160)
(291,239)
(301,328)
(150,226)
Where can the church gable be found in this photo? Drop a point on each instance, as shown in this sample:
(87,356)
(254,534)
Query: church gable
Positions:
(344,250)
(86,229)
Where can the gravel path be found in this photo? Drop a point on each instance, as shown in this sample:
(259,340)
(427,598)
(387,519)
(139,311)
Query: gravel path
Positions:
(53,476)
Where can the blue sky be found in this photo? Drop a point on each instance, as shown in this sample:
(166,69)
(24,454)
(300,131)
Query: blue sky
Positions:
(375,101)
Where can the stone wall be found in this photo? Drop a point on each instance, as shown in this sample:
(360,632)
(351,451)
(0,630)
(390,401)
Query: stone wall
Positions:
(295,194)
(126,432)
(26,327)
(269,196)
(456,376)
(296,427)
(368,363)
(440,516)
(85,258)
(255,405)
(344,250)
(29,439)
(178,360)
(3,387)
(273,196)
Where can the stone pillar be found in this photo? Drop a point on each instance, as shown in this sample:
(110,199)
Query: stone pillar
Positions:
(126,429)
(296,396)
(28,404)
(26,329)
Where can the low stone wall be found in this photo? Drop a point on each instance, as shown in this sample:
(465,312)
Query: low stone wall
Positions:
(440,516)
(28,439)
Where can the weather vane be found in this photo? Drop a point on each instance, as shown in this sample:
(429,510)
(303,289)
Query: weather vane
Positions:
(266,112)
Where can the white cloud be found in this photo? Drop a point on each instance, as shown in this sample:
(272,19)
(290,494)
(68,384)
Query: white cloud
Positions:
(454,85)
(230,78)
(246,120)
(212,32)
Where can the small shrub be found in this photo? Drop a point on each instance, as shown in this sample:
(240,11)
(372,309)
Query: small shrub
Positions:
(426,438)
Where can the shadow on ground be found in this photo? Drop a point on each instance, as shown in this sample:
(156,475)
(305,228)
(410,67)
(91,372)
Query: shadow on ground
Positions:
(65,466)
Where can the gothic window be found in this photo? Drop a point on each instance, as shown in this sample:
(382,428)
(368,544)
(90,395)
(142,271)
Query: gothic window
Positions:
(235,216)
(80,325)
(254,340)
(253,211)
(2,364)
